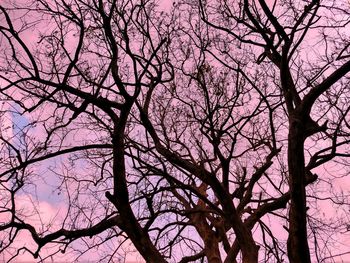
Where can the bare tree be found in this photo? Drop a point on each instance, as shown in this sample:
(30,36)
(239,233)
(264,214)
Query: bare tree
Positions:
(193,133)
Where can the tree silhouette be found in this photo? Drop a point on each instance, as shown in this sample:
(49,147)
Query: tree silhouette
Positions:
(209,131)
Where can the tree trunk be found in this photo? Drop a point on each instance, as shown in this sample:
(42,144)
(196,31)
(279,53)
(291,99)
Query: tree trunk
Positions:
(297,245)
(211,244)
(251,257)
(250,251)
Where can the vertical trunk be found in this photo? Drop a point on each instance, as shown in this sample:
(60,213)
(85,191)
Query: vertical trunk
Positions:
(212,251)
(211,242)
(250,251)
(298,248)
(250,254)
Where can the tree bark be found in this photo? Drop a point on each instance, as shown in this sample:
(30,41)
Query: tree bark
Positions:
(297,245)
(250,251)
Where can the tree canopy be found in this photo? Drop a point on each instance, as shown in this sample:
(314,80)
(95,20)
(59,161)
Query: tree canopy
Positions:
(196,131)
